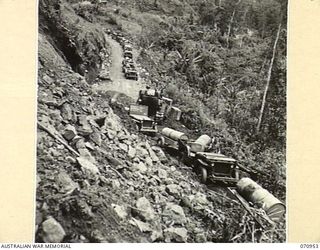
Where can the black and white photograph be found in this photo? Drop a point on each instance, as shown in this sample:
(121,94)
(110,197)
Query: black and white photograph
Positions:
(161,121)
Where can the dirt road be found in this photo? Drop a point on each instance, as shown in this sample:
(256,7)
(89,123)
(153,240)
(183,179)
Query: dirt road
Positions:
(118,82)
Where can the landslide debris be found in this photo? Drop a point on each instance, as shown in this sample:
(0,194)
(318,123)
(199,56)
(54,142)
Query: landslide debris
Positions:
(98,179)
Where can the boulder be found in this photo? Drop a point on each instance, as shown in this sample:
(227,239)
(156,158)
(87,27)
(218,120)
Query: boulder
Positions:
(69,132)
(89,145)
(48,79)
(132,152)
(142,152)
(52,231)
(112,122)
(84,128)
(174,213)
(120,211)
(113,161)
(67,112)
(141,167)
(152,154)
(149,161)
(185,186)
(122,136)
(96,138)
(115,184)
(144,209)
(200,238)
(173,168)
(143,226)
(173,234)
(156,235)
(85,153)
(78,142)
(123,147)
(66,184)
(160,154)
(111,134)
(87,166)
(199,199)
(162,174)
(168,181)
(173,189)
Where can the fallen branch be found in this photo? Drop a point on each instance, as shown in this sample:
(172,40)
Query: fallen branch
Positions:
(113,169)
(117,172)
(225,197)
(245,205)
(51,133)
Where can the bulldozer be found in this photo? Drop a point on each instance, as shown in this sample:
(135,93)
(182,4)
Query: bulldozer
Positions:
(160,107)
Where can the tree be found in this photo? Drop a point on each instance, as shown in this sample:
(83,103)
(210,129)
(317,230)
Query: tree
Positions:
(268,78)
(231,22)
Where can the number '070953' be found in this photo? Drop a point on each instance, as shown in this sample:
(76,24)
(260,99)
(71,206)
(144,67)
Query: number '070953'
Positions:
(309,246)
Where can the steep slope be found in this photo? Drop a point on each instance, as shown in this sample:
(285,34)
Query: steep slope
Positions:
(99,180)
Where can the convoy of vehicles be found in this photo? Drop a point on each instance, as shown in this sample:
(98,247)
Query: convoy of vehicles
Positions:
(128,66)
(152,108)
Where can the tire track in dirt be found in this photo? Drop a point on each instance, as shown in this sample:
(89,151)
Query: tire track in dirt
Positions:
(118,81)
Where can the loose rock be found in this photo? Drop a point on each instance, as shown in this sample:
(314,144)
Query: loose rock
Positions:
(175,234)
(52,231)
(162,174)
(66,112)
(174,213)
(143,227)
(132,152)
(173,189)
(120,211)
(123,147)
(141,167)
(66,184)
(69,132)
(87,166)
(156,235)
(144,209)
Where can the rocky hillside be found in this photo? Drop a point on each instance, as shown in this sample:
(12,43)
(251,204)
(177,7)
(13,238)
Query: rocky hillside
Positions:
(98,179)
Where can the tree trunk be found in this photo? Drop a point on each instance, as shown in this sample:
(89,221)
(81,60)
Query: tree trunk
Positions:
(268,79)
(231,22)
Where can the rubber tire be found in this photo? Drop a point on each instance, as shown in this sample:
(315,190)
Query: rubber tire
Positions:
(202,173)
(160,142)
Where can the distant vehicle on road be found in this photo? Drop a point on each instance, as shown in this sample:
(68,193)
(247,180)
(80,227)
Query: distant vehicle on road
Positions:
(131,74)
(127,67)
(127,47)
(128,54)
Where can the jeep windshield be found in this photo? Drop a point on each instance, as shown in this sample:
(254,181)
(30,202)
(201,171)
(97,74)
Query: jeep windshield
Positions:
(217,157)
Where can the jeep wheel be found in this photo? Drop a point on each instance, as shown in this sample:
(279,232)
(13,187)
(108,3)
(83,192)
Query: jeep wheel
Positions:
(202,173)
(160,142)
